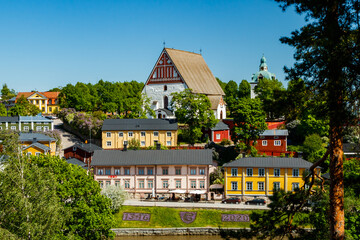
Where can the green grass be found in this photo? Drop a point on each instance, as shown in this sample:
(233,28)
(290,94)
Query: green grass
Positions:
(162,217)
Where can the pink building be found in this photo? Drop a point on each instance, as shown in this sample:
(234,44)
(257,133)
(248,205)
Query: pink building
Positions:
(145,173)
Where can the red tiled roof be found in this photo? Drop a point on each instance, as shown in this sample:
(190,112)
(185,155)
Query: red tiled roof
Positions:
(49,95)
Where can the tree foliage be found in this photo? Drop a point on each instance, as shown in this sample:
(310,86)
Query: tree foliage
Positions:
(249,120)
(194,110)
(244,89)
(24,108)
(6,93)
(117,196)
(327,58)
(3,111)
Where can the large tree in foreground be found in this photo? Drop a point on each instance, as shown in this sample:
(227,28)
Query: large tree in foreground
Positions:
(327,57)
(193,110)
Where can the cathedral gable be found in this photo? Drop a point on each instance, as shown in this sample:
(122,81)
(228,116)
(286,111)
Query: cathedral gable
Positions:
(164,71)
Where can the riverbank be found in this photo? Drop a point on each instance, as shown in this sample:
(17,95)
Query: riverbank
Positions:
(130,217)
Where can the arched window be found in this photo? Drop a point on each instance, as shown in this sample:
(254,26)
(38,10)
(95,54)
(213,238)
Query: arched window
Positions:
(159,115)
(166,102)
(165,87)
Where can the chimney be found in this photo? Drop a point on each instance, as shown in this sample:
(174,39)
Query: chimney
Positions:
(34,140)
(125,147)
(158,146)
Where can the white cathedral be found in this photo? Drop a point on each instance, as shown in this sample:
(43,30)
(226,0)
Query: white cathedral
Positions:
(176,70)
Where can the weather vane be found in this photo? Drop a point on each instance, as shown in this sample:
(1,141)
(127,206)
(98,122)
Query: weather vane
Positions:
(200,51)
(164,44)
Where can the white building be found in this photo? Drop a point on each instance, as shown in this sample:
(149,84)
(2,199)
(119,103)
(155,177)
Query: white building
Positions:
(176,70)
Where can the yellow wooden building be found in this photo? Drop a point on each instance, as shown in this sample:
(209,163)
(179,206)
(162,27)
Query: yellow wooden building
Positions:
(148,132)
(259,176)
(37,143)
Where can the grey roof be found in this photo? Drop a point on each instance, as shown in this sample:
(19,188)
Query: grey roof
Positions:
(9,119)
(351,148)
(34,119)
(39,145)
(31,136)
(167,111)
(220,126)
(89,147)
(138,124)
(269,162)
(76,161)
(151,157)
(275,132)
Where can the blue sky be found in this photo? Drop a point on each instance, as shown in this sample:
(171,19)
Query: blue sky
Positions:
(45,44)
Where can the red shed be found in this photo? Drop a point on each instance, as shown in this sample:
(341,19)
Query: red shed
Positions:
(219,132)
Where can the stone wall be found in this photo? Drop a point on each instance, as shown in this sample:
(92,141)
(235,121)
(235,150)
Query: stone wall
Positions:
(170,231)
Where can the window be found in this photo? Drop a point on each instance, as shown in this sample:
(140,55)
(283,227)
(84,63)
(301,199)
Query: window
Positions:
(13,128)
(249,172)
(126,171)
(100,171)
(165,184)
(29,153)
(46,128)
(277,143)
(234,185)
(43,101)
(117,171)
(295,186)
(264,142)
(202,184)
(74,149)
(108,143)
(108,171)
(201,171)
(168,134)
(277,172)
(141,183)
(168,143)
(193,171)
(26,128)
(43,109)
(276,186)
(101,184)
(50,109)
(261,186)
(108,134)
(261,172)
(141,171)
(249,186)
(178,184)
(150,184)
(193,184)
(131,134)
(276,137)
(37,101)
(149,171)
(127,184)
(295,172)
(234,172)
(121,134)
(217,136)
(107,183)
(165,171)
(142,134)
(156,134)
(37,154)
(177,171)
(38,128)
(142,143)
(117,183)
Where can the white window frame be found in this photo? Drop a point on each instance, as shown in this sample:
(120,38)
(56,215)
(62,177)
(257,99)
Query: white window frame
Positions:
(249,186)
(156,134)
(13,128)
(248,170)
(121,134)
(234,185)
(277,184)
(142,143)
(233,171)
(277,143)
(168,134)
(141,184)
(218,135)
(168,143)
(46,128)
(201,184)
(165,183)
(295,186)
(261,186)
(177,183)
(295,172)
(108,143)
(26,128)
(131,134)
(193,184)
(37,153)
(275,172)
(142,134)
(150,184)
(264,143)
(108,134)
(261,175)
(201,171)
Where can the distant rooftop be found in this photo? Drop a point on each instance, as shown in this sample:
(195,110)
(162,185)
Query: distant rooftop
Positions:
(138,124)
(269,162)
(31,136)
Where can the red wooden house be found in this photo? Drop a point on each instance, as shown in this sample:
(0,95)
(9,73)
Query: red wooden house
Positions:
(272,142)
(81,151)
(219,132)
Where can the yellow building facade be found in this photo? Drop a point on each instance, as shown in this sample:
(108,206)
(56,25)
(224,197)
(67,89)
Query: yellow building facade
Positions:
(261,176)
(36,144)
(148,132)
(47,102)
